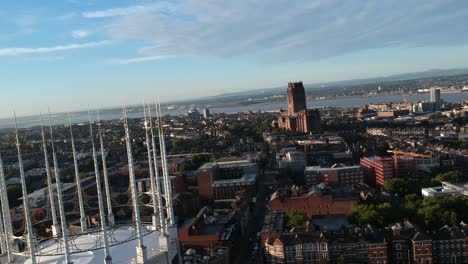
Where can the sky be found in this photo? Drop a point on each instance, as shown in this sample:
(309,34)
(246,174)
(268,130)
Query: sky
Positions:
(68,54)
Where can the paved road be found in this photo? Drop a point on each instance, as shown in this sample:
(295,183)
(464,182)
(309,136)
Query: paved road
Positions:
(255,225)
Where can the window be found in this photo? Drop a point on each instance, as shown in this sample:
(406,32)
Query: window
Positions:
(398,246)
(428,261)
(453,259)
(323,246)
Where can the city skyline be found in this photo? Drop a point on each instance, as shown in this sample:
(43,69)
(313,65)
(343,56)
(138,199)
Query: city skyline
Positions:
(116,52)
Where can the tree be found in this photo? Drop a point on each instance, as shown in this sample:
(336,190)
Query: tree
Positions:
(295,219)
(451,176)
(196,161)
(404,187)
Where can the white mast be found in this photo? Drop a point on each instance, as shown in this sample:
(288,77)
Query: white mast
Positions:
(107,257)
(27,213)
(5,213)
(59,195)
(53,208)
(151,172)
(110,214)
(170,209)
(157,178)
(83,224)
(141,249)
(3,237)
(167,181)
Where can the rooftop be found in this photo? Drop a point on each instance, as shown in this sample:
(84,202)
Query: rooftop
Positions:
(120,253)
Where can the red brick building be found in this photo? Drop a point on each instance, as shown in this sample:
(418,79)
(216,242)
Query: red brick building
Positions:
(200,231)
(377,169)
(336,175)
(298,117)
(422,248)
(347,245)
(313,203)
(378,253)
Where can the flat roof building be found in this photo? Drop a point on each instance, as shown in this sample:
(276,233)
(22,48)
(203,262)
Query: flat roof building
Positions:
(225,179)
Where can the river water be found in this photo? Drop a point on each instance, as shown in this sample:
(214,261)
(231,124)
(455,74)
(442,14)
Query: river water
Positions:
(137,112)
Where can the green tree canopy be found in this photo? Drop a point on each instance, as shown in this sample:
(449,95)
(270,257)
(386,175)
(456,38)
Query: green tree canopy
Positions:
(451,176)
(295,219)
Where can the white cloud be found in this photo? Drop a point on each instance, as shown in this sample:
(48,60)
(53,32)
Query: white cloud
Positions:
(40,50)
(284,30)
(138,60)
(54,58)
(81,33)
(129,10)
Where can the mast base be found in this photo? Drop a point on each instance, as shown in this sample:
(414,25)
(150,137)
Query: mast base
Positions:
(142,256)
(55,230)
(111,220)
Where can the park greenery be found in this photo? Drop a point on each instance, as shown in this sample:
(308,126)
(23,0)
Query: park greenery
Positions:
(406,202)
(196,161)
(295,219)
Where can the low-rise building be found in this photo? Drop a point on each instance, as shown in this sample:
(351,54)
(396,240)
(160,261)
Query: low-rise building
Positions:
(315,202)
(338,174)
(447,189)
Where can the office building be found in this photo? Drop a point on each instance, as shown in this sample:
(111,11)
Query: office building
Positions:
(339,175)
(206,113)
(435,98)
(224,180)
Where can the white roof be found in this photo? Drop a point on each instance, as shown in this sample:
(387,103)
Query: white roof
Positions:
(123,253)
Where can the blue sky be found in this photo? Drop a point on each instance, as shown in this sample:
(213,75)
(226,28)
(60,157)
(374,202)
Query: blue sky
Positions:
(70,53)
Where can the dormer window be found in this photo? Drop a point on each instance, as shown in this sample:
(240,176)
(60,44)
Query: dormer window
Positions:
(323,246)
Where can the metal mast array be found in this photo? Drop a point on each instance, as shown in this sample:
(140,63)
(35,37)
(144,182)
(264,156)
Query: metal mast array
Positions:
(83,224)
(151,172)
(141,249)
(27,213)
(8,231)
(53,209)
(157,178)
(107,257)
(63,220)
(110,214)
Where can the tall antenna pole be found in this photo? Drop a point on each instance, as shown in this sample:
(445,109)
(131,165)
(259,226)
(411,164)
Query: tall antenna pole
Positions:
(141,249)
(107,257)
(110,214)
(63,222)
(157,179)
(5,212)
(167,181)
(3,237)
(151,172)
(27,213)
(170,209)
(83,224)
(50,188)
